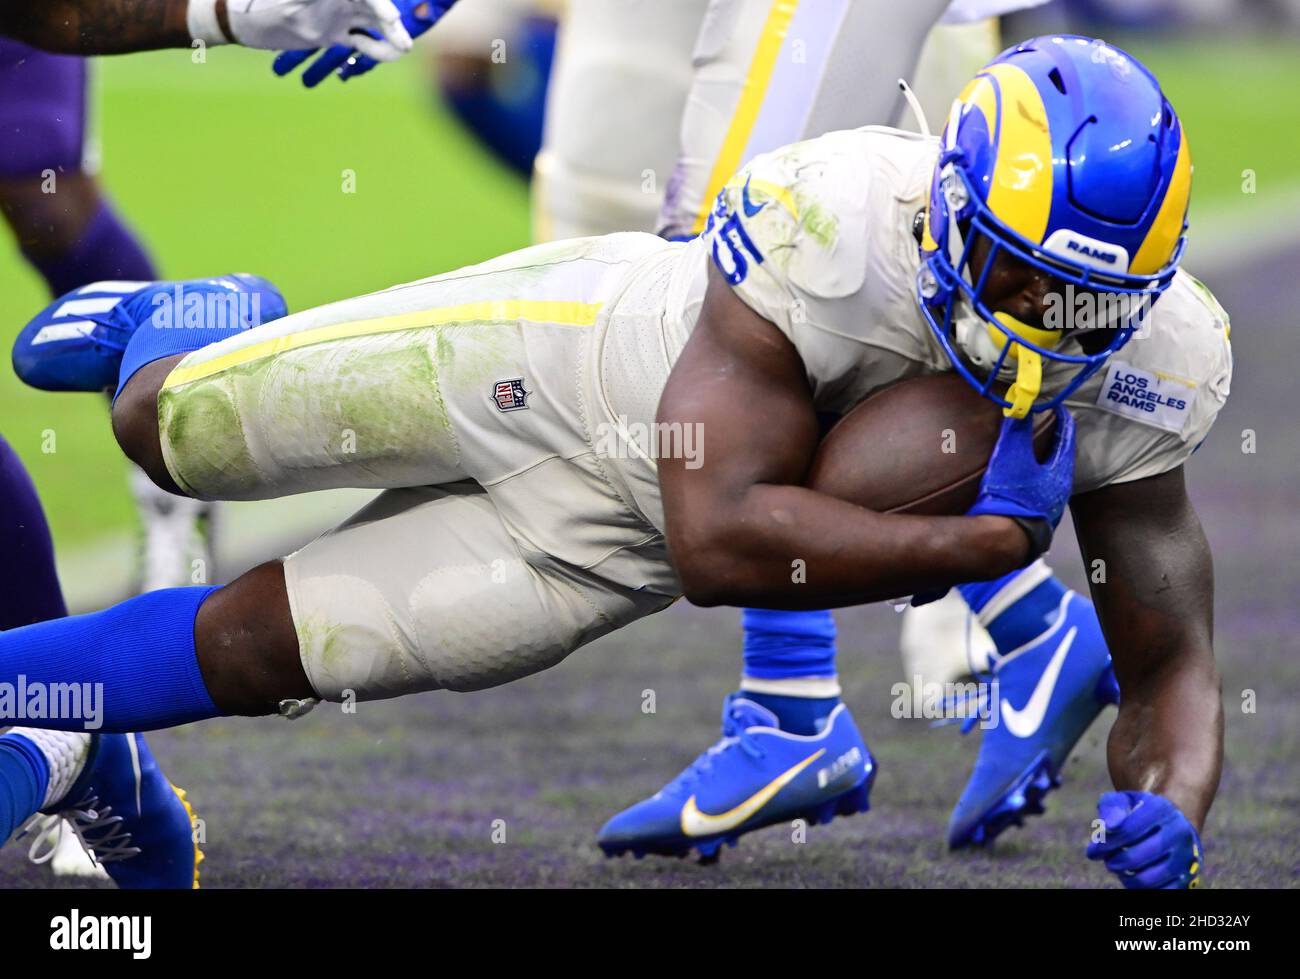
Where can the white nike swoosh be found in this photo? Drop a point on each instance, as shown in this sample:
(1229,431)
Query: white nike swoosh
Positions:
(696,823)
(1023,723)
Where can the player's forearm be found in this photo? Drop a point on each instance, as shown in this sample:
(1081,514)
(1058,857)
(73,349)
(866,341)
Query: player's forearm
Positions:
(97,26)
(1154,748)
(793,548)
(1168,738)
(1155,600)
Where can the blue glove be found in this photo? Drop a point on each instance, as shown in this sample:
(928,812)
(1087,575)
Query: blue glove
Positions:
(417,17)
(1149,843)
(1018,486)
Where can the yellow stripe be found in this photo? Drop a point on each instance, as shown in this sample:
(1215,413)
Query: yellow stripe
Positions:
(752,93)
(1162,239)
(505,310)
(1021,190)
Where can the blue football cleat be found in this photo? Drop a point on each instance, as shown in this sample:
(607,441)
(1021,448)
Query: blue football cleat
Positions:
(130,818)
(76,342)
(1049,692)
(757,775)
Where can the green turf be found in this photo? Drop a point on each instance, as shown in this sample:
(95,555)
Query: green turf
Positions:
(223,167)
(1235,99)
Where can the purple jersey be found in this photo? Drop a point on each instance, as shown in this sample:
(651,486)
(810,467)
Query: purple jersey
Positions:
(42,110)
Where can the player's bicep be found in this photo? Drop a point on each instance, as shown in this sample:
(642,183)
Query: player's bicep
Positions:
(743,387)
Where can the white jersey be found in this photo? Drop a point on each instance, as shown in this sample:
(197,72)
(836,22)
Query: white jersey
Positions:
(817,238)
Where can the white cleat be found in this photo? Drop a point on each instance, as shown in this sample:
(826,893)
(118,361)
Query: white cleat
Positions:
(58,846)
(176,547)
(943,642)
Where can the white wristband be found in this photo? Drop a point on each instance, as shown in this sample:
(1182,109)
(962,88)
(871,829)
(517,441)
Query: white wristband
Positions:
(201,20)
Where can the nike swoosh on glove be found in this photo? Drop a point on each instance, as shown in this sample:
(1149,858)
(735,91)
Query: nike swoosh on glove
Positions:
(1017,485)
(1148,842)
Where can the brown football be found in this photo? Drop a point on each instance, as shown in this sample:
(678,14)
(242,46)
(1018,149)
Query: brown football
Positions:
(919,446)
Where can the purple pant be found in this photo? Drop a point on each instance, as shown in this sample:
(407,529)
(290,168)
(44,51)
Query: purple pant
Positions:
(29,584)
(42,111)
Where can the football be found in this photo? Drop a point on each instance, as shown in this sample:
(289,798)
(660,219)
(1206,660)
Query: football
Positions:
(919,446)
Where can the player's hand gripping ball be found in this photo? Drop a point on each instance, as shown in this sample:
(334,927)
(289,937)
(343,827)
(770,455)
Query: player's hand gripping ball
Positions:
(1017,485)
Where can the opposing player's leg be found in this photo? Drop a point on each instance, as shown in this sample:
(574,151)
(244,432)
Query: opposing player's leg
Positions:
(71,235)
(65,227)
(120,811)
(789,750)
(31,591)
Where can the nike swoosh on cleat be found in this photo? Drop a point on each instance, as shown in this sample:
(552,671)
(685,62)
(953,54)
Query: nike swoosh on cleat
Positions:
(696,823)
(1026,721)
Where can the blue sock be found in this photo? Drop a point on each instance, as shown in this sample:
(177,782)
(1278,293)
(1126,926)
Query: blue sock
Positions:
(150,343)
(780,645)
(798,715)
(1024,619)
(24,777)
(133,666)
(783,645)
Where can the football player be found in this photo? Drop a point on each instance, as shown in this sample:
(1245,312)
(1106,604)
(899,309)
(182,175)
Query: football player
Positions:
(504,409)
(765,74)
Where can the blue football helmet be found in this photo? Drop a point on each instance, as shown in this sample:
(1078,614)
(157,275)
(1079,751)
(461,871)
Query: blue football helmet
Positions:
(1063,153)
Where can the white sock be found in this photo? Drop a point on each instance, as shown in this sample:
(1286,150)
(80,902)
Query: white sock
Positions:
(815,687)
(65,752)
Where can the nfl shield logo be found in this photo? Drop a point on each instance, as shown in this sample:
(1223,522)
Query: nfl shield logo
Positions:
(510,394)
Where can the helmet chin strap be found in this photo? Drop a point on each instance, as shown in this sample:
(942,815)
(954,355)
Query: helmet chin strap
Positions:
(1022,367)
(1029,363)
